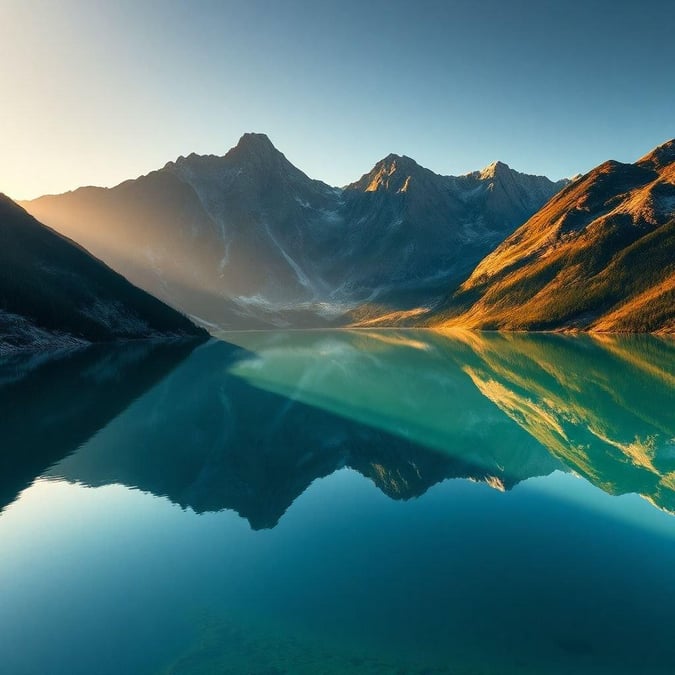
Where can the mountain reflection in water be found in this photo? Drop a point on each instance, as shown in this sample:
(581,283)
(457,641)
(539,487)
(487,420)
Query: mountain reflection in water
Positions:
(126,555)
(248,426)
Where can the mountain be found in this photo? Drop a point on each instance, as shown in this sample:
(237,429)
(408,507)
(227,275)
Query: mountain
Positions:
(248,240)
(599,256)
(54,294)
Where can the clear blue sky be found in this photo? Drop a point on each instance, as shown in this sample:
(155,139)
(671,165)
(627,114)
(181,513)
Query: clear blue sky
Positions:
(96,91)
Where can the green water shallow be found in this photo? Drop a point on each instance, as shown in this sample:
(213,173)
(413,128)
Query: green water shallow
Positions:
(340,502)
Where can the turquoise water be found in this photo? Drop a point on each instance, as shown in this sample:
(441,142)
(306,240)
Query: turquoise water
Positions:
(340,502)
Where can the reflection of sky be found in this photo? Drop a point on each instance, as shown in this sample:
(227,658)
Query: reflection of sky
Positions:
(105,578)
(631,509)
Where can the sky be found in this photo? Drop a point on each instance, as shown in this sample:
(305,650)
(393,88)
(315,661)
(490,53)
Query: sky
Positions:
(94,92)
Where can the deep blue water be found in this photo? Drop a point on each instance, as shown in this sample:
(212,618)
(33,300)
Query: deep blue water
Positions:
(338,502)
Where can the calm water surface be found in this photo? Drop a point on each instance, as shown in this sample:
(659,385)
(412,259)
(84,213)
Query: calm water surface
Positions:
(340,502)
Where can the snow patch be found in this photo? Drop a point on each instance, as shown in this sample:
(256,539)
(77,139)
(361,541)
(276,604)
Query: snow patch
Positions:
(331,216)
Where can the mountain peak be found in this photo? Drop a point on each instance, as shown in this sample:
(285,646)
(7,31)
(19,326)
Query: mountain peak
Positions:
(393,162)
(252,148)
(256,148)
(494,170)
(392,173)
(255,141)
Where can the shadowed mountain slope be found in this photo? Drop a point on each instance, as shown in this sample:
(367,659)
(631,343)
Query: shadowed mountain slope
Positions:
(53,293)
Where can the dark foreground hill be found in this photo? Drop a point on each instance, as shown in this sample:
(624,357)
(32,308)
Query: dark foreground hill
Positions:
(53,293)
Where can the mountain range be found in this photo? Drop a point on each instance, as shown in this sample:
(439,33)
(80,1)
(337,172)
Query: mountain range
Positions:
(247,240)
(54,294)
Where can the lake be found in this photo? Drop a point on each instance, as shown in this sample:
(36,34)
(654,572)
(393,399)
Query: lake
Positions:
(313,502)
